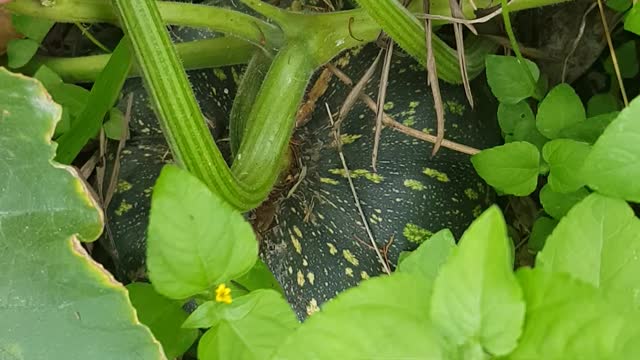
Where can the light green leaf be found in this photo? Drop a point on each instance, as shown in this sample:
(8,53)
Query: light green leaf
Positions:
(632,21)
(164,317)
(590,130)
(526,130)
(364,323)
(427,259)
(250,328)
(47,77)
(508,80)
(627,60)
(598,242)
(476,297)
(510,115)
(114,126)
(542,228)
(205,315)
(561,108)
(195,239)
(73,97)
(56,302)
(568,319)
(600,104)
(511,168)
(259,277)
(613,166)
(558,204)
(20,51)
(34,28)
(565,158)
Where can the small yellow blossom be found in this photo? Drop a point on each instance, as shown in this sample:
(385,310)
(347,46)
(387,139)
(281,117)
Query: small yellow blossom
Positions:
(223,294)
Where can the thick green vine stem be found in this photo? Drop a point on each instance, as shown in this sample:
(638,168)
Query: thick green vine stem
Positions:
(171,94)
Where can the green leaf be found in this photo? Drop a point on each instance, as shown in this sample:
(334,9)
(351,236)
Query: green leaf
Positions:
(627,60)
(20,51)
(164,317)
(104,94)
(598,242)
(619,5)
(565,158)
(632,21)
(511,168)
(558,204)
(510,115)
(363,322)
(56,303)
(541,230)
(72,97)
(250,328)
(427,259)
(568,319)
(600,104)
(590,130)
(195,239)
(526,130)
(613,165)
(476,297)
(34,28)
(508,80)
(560,109)
(114,126)
(47,77)
(259,277)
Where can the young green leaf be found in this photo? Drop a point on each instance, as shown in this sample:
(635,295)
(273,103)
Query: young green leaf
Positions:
(508,80)
(560,109)
(568,319)
(590,130)
(510,115)
(57,302)
(613,165)
(627,60)
(34,28)
(476,297)
(114,126)
(511,168)
(164,318)
(526,130)
(565,158)
(20,51)
(558,204)
(250,328)
(600,104)
(542,228)
(598,242)
(427,259)
(47,77)
(361,323)
(195,239)
(259,277)
(632,21)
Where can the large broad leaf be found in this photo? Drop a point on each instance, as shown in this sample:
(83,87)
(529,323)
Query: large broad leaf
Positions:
(382,318)
(477,301)
(56,302)
(196,240)
(561,108)
(164,317)
(568,319)
(250,328)
(613,166)
(511,168)
(598,242)
(565,158)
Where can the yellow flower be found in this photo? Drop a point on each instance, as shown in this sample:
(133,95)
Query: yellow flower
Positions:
(223,294)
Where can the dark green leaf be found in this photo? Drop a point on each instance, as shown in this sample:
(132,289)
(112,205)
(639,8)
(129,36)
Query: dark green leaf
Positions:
(561,108)
(558,204)
(74,98)
(600,104)
(619,5)
(164,317)
(511,168)
(627,60)
(195,239)
(476,297)
(34,28)
(20,51)
(613,166)
(565,158)
(508,80)
(542,228)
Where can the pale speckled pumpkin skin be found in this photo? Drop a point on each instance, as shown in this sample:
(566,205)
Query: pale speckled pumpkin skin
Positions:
(317,246)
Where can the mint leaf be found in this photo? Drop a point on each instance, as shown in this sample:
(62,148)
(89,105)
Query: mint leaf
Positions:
(476,298)
(598,242)
(613,165)
(558,204)
(565,158)
(511,168)
(508,81)
(560,109)
(196,240)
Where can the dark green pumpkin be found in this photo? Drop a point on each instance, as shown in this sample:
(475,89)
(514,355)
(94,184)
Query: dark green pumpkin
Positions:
(318,245)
